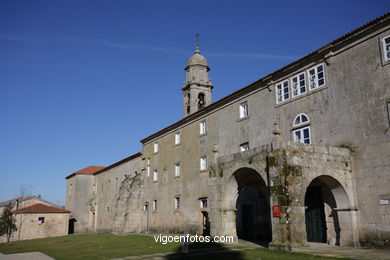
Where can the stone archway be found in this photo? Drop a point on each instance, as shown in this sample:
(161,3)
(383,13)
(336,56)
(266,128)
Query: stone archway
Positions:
(247,197)
(328,212)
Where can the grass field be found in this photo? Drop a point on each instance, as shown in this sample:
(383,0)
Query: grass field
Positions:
(107,246)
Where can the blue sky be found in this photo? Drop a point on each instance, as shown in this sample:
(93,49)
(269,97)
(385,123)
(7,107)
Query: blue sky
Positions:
(81,82)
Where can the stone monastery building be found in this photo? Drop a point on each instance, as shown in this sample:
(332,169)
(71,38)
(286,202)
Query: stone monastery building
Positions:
(302,154)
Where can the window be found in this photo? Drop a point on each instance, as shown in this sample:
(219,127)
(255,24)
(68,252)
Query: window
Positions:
(155,175)
(203,163)
(282,93)
(244,110)
(177,169)
(301,129)
(244,147)
(177,138)
(388,110)
(202,127)
(203,203)
(316,77)
(300,119)
(41,220)
(155,147)
(386,48)
(146,206)
(177,203)
(154,205)
(148,167)
(298,84)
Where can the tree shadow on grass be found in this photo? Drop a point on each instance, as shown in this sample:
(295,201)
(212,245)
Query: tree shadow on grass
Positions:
(203,251)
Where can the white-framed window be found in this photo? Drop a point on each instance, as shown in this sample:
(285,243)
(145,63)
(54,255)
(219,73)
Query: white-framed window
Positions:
(177,203)
(301,129)
(244,147)
(177,138)
(282,91)
(202,127)
(386,48)
(203,163)
(316,76)
(154,205)
(148,167)
(155,175)
(203,203)
(155,147)
(244,112)
(298,84)
(177,169)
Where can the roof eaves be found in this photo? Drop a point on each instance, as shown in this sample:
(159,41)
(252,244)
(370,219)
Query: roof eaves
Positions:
(131,157)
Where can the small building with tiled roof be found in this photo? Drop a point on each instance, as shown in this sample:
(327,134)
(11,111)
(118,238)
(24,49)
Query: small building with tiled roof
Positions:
(40,208)
(38,220)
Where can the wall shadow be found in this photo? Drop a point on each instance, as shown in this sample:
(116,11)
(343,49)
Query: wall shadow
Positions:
(203,251)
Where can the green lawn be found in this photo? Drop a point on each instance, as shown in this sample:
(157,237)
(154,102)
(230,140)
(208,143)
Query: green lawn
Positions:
(106,246)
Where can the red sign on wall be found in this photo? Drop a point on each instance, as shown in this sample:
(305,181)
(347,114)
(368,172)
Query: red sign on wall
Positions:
(276,211)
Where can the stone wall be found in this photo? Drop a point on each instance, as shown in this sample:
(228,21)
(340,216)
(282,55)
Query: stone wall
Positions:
(114,199)
(55,224)
(79,192)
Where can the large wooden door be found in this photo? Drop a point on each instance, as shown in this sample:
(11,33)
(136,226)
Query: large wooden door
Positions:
(315,215)
(247,217)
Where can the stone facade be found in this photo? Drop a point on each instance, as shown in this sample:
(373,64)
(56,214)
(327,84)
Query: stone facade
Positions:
(226,167)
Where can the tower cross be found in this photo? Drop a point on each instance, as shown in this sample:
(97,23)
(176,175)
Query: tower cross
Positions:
(197,39)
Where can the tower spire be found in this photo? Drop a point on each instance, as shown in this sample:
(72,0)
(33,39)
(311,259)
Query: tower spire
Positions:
(197,50)
(198,87)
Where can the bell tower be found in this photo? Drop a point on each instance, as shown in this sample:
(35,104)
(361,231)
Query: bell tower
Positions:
(198,87)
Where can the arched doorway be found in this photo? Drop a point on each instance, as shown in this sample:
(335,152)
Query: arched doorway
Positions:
(253,219)
(72,222)
(327,212)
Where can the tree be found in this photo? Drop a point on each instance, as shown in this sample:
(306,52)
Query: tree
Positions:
(7,222)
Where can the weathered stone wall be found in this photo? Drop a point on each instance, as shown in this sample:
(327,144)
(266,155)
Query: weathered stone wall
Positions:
(115,203)
(351,112)
(55,224)
(79,191)
(293,167)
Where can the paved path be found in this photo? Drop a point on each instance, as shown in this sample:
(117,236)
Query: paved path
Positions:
(345,252)
(26,256)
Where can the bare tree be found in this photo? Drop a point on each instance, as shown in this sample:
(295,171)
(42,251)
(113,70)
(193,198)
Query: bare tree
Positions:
(24,190)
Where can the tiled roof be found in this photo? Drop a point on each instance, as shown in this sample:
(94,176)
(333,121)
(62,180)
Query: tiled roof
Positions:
(40,208)
(86,171)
